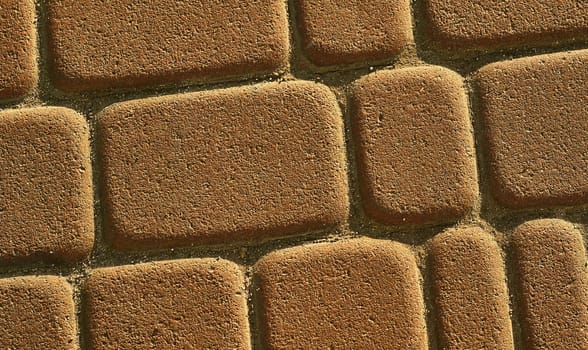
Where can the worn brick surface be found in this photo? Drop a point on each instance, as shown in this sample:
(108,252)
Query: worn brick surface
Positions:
(350,31)
(535,113)
(414,145)
(470,291)
(358,294)
(187,124)
(183,304)
(18,52)
(214,167)
(122,43)
(46,204)
(37,313)
(493,24)
(553,284)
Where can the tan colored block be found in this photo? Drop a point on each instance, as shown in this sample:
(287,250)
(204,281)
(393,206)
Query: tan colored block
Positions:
(357,294)
(220,166)
(470,291)
(46,197)
(490,24)
(18,48)
(553,284)
(37,313)
(414,146)
(179,304)
(128,43)
(353,31)
(535,114)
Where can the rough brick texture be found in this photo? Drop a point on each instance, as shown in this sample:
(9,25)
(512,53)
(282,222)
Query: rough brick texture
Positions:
(535,113)
(491,24)
(46,200)
(470,291)
(358,294)
(553,284)
(37,313)
(18,48)
(414,145)
(213,167)
(168,305)
(353,31)
(259,139)
(124,43)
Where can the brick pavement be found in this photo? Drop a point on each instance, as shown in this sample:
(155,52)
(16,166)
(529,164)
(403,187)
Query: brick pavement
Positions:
(310,174)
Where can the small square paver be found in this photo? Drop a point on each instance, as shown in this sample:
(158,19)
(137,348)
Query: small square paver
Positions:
(37,313)
(46,196)
(180,304)
(415,149)
(357,294)
(353,31)
(535,114)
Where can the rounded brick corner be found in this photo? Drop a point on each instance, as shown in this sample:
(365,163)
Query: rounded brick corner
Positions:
(462,236)
(528,229)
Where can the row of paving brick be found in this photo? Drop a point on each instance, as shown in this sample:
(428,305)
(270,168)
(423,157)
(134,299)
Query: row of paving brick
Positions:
(357,294)
(124,43)
(268,160)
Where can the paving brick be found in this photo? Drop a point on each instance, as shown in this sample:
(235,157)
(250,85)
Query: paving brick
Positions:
(168,305)
(215,167)
(414,145)
(46,197)
(127,43)
(350,31)
(37,313)
(470,291)
(553,284)
(534,110)
(18,48)
(357,294)
(489,24)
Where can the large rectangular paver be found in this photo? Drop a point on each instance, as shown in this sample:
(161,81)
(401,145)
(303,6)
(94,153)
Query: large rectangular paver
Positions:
(46,196)
(37,313)
(357,294)
(222,166)
(553,284)
(128,43)
(535,114)
(18,48)
(415,152)
(471,298)
(182,304)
